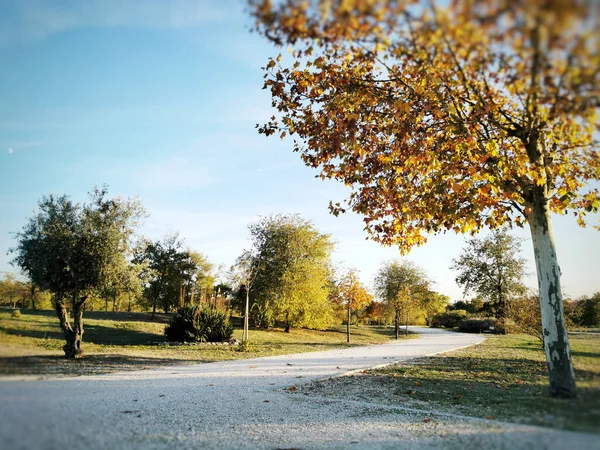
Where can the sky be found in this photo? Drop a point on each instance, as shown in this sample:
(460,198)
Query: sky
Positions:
(159,99)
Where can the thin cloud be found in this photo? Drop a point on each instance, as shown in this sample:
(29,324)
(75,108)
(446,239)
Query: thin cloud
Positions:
(32,20)
(12,146)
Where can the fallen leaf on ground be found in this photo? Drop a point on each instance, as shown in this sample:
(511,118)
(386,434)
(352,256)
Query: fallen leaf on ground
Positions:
(292,388)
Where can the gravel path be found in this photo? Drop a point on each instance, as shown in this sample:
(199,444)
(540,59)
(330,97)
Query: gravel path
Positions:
(248,404)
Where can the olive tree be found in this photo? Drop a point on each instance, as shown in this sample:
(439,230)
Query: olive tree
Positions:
(70,249)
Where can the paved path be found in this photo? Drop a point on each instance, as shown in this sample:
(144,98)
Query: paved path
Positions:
(244,404)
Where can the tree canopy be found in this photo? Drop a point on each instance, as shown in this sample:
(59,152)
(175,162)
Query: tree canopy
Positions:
(350,294)
(492,268)
(451,116)
(71,249)
(291,285)
(400,284)
(175,275)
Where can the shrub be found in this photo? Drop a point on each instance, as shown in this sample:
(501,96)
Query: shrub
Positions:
(523,315)
(448,320)
(199,324)
(477,325)
(16,313)
(590,312)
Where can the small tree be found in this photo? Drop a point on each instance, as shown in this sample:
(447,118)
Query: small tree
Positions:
(397,284)
(294,260)
(169,269)
(244,273)
(70,249)
(491,268)
(350,293)
(13,291)
(433,303)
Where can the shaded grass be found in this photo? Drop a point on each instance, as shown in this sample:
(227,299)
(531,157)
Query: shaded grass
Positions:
(32,344)
(504,378)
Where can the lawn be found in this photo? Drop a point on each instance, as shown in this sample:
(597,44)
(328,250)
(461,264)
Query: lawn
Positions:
(504,378)
(32,344)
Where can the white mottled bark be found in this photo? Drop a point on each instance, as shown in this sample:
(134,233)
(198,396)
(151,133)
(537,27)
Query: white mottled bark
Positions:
(556,343)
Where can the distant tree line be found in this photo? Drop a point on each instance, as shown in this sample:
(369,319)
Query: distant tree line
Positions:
(87,256)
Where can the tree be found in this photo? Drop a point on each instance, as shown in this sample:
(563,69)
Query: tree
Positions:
(433,303)
(170,270)
(398,285)
(491,268)
(69,249)
(13,290)
(455,116)
(243,274)
(291,285)
(350,293)
(197,274)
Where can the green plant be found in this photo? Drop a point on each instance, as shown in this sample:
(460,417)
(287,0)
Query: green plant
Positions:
(262,315)
(448,320)
(245,347)
(199,324)
(477,325)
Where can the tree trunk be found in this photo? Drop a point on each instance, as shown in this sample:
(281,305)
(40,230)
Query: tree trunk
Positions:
(33,296)
(556,343)
(73,335)
(397,324)
(348,325)
(287,323)
(406,330)
(246,314)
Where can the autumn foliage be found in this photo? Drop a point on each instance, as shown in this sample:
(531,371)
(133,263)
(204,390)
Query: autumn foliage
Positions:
(452,116)
(439,118)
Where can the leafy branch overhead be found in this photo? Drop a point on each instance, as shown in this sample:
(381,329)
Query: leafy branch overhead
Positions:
(456,116)
(440,118)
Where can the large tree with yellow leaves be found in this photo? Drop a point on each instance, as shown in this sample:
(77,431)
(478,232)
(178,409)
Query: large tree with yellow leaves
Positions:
(458,116)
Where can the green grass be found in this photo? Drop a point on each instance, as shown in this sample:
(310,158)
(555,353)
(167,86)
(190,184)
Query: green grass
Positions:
(32,344)
(504,378)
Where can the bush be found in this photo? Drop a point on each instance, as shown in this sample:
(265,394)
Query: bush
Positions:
(523,315)
(16,313)
(590,312)
(199,324)
(448,320)
(477,325)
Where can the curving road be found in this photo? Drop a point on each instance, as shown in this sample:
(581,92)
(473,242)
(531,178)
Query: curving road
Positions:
(244,404)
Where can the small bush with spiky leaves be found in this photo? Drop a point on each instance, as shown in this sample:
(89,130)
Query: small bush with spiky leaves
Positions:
(195,323)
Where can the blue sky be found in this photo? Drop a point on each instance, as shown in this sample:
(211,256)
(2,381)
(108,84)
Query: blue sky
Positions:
(160,99)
